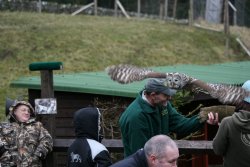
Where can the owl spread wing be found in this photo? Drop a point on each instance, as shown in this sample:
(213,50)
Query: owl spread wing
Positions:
(226,94)
(125,74)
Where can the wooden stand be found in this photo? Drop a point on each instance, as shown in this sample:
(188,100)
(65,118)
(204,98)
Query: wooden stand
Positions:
(47,91)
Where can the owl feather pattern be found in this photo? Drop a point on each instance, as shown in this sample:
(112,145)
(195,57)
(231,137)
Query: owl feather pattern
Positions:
(226,94)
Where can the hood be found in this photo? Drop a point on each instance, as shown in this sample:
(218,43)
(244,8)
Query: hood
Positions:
(242,120)
(87,123)
(17,103)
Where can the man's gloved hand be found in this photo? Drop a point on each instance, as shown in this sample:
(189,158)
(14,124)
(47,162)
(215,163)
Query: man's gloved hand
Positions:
(222,110)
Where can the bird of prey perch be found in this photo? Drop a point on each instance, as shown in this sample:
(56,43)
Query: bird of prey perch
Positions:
(226,94)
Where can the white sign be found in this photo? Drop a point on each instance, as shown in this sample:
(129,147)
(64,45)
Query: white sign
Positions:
(46,106)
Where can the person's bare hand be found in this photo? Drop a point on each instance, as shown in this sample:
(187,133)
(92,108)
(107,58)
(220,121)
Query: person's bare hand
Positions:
(213,119)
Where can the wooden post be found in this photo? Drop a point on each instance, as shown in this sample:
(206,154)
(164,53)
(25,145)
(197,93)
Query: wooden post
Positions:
(122,9)
(191,12)
(95,7)
(235,12)
(47,91)
(138,8)
(226,27)
(82,9)
(116,8)
(161,9)
(174,9)
(243,46)
(166,10)
(39,6)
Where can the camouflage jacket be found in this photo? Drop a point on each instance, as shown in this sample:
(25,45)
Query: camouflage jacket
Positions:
(26,144)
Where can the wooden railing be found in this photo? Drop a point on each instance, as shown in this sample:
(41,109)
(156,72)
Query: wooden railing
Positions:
(115,145)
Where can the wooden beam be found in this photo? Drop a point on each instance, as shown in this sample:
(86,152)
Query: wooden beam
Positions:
(122,9)
(195,146)
(235,12)
(115,145)
(166,10)
(243,46)
(206,28)
(47,91)
(191,12)
(39,5)
(82,8)
(116,8)
(174,9)
(161,12)
(95,7)
(226,27)
(138,8)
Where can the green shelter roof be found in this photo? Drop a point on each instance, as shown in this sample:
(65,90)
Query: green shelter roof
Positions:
(100,83)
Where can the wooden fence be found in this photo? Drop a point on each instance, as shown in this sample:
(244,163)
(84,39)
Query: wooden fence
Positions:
(115,145)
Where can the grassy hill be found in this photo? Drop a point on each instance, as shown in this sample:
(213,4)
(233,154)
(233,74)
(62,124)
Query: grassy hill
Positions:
(89,43)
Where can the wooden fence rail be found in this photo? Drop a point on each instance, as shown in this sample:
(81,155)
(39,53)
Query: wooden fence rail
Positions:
(115,145)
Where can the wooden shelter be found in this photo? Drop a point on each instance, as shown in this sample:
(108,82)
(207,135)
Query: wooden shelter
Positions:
(78,90)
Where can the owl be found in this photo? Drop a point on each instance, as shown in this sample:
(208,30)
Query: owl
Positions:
(226,94)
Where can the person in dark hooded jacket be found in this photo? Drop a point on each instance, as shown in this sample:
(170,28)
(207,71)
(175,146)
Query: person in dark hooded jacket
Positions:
(232,140)
(87,150)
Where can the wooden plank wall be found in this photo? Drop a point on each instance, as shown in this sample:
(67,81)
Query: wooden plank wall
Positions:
(67,104)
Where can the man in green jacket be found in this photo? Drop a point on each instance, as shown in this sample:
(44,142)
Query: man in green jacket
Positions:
(152,114)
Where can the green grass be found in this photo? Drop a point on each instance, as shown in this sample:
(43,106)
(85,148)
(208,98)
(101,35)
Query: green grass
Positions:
(89,43)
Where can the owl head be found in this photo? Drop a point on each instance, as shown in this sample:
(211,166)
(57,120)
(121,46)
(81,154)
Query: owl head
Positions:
(176,80)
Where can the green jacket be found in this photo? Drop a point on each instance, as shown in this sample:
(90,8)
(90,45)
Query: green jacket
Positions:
(141,121)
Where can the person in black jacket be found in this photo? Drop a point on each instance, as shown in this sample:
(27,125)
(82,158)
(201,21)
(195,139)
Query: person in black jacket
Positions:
(87,150)
(158,151)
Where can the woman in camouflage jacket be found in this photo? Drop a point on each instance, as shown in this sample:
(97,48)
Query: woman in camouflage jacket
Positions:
(23,140)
